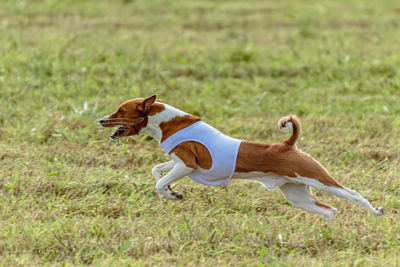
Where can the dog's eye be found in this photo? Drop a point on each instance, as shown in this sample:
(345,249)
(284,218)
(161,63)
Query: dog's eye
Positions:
(120,111)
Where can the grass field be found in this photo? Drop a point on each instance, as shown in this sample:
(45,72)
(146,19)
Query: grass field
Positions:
(69,197)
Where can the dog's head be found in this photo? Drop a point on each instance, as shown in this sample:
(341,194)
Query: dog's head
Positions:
(131,116)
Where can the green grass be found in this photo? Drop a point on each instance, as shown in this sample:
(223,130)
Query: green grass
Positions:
(68,197)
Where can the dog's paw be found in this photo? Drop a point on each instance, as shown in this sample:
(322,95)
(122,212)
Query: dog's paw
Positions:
(379,211)
(172,194)
(168,193)
(177,195)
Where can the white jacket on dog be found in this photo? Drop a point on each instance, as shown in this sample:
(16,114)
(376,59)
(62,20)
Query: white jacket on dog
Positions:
(223,150)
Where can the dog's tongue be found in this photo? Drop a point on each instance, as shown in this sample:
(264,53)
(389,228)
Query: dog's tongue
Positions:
(118,132)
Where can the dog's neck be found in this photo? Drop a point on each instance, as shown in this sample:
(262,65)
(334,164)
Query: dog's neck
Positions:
(153,128)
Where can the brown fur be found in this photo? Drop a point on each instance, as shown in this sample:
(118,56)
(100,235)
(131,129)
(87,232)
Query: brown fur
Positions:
(323,205)
(193,154)
(156,108)
(281,159)
(170,127)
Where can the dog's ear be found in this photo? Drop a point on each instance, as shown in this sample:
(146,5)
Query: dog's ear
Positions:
(147,102)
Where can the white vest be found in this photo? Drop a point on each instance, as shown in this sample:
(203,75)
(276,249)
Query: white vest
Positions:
(223,150)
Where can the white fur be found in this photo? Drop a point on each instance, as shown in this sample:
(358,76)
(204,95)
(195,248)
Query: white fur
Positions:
(153,125)
(158,170)
(288,126)
(176,168)
(344,192)
(178,171)
(269,180)
(299,195)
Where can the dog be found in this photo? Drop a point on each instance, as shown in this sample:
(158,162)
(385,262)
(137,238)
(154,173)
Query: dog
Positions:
(208,156)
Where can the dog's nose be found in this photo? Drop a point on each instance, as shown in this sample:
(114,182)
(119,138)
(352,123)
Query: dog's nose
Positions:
(103,120)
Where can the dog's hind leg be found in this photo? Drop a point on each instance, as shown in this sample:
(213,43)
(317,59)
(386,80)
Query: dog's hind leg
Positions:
(340,191)
(299,195)
(306,170)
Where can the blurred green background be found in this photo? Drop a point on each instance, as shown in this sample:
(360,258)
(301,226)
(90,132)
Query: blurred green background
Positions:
(69,197)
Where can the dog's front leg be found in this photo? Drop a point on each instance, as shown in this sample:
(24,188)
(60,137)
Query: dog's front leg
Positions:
(158,170)
(178,170)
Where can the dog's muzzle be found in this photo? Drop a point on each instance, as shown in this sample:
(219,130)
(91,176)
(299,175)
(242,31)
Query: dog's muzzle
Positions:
(103,120)
(124,126)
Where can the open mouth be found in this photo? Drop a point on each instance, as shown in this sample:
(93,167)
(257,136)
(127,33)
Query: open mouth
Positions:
(119,132)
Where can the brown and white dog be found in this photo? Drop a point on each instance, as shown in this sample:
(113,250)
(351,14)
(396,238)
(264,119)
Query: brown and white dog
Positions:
(273,165)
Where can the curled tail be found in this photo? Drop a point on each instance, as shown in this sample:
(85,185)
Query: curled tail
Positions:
(287,123)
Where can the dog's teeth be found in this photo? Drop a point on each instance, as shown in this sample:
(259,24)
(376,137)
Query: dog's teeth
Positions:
(118,132)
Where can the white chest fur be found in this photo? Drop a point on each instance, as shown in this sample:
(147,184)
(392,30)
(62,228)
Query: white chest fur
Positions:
(153,125)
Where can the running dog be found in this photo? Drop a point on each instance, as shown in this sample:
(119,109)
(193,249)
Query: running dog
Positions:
(208,156)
